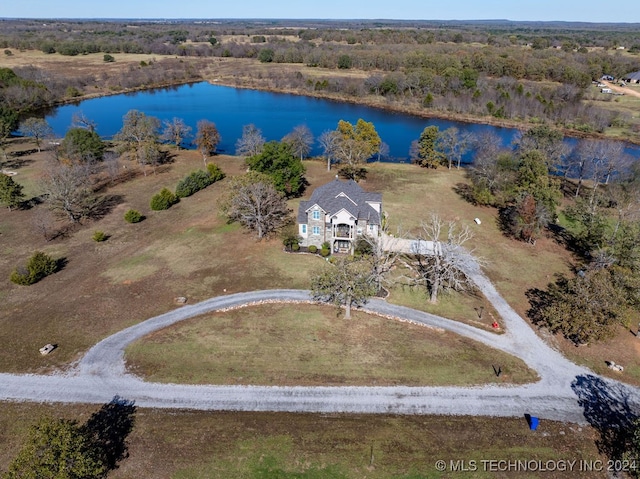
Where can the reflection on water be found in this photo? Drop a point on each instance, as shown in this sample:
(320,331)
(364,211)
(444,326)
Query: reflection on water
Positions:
(276,114)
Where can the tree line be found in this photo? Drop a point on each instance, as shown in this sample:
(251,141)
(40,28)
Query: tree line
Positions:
(515,75)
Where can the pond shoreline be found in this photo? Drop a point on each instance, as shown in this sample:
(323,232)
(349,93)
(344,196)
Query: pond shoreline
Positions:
(395,107)
(377,102)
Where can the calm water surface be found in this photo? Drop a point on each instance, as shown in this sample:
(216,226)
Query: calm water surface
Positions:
(276,114)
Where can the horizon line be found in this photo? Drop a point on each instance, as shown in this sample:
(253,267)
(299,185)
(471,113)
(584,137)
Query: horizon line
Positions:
(272,19)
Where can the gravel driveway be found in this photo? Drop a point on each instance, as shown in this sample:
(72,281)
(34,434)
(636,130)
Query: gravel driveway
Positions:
(101,374)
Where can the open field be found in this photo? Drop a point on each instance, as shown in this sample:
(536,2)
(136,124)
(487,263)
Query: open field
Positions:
(190,251)
(188,444)
(282,344)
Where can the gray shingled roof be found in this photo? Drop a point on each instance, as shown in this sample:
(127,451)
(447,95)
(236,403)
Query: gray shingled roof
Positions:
(635,76)
(329,198)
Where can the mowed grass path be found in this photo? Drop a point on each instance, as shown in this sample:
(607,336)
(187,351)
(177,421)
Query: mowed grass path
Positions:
(286,344)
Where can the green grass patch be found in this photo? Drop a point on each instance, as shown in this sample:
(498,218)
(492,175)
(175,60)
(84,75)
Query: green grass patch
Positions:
(225,227)
(310,345)
(133,268)
(257,445)
(468,308)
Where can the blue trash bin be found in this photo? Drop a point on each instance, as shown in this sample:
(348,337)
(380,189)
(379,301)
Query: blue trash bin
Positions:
(533,423)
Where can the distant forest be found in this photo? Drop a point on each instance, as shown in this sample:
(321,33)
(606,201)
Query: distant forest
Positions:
(520,71)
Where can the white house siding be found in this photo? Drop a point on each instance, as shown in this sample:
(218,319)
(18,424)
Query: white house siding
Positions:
(375,205)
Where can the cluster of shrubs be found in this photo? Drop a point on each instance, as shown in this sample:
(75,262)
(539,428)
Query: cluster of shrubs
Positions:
(198,180)
(187,186)
(163,200)
(194,182)
(39,266)
(324,251)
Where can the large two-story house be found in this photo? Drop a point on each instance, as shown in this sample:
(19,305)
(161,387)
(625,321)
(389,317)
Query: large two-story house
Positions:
(337,213)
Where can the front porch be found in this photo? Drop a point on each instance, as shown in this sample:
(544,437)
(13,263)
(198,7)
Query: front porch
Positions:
(341,246)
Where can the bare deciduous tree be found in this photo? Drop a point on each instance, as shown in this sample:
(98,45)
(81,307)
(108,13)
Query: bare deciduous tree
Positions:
(112,166)
(79,120)
(444,267)
(43,223)
(68,190)
(300,140)
(454,144)
(139,137)
(251,142)
(603,159)
(347,282)
(36,128)
(382,252)
(328,141)
(257,205)
(175,131)
(383,151)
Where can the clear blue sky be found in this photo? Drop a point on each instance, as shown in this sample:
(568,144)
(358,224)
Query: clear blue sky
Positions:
(564,10)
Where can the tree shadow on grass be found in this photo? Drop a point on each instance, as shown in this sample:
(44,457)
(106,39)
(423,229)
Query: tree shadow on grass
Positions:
(17,161)
(104,205)
(609,409)
(465,192)
(108,429)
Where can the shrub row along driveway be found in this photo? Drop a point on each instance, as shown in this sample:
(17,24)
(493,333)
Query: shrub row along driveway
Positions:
(562,393)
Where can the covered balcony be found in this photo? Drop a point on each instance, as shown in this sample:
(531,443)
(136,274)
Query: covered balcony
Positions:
(343,231)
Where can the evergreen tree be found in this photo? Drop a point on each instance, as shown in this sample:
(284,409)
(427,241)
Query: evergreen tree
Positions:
(279,162)
(57,449)
(10,192)
(424,152)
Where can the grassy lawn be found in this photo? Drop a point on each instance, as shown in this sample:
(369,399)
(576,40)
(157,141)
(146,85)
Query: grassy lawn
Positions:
(311,345)
(513,266)
(472,308)
(190,250)
(228,445)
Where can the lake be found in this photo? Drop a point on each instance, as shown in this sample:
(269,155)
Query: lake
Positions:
(276,114)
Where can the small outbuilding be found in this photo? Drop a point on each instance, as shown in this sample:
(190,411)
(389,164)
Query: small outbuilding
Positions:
(633,77)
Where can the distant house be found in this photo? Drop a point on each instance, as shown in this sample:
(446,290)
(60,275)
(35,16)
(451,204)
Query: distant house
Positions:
(632,77)
(338,213)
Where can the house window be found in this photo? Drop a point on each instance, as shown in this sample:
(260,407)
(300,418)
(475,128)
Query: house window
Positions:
(371,228)
(316,215)
(316,230)
(304,229)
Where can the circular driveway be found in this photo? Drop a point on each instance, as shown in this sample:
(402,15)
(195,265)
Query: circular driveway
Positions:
(559,394)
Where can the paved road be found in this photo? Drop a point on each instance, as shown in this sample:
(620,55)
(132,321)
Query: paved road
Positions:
(101,374)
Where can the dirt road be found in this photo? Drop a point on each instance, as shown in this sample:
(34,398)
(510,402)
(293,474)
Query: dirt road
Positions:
(621,89)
